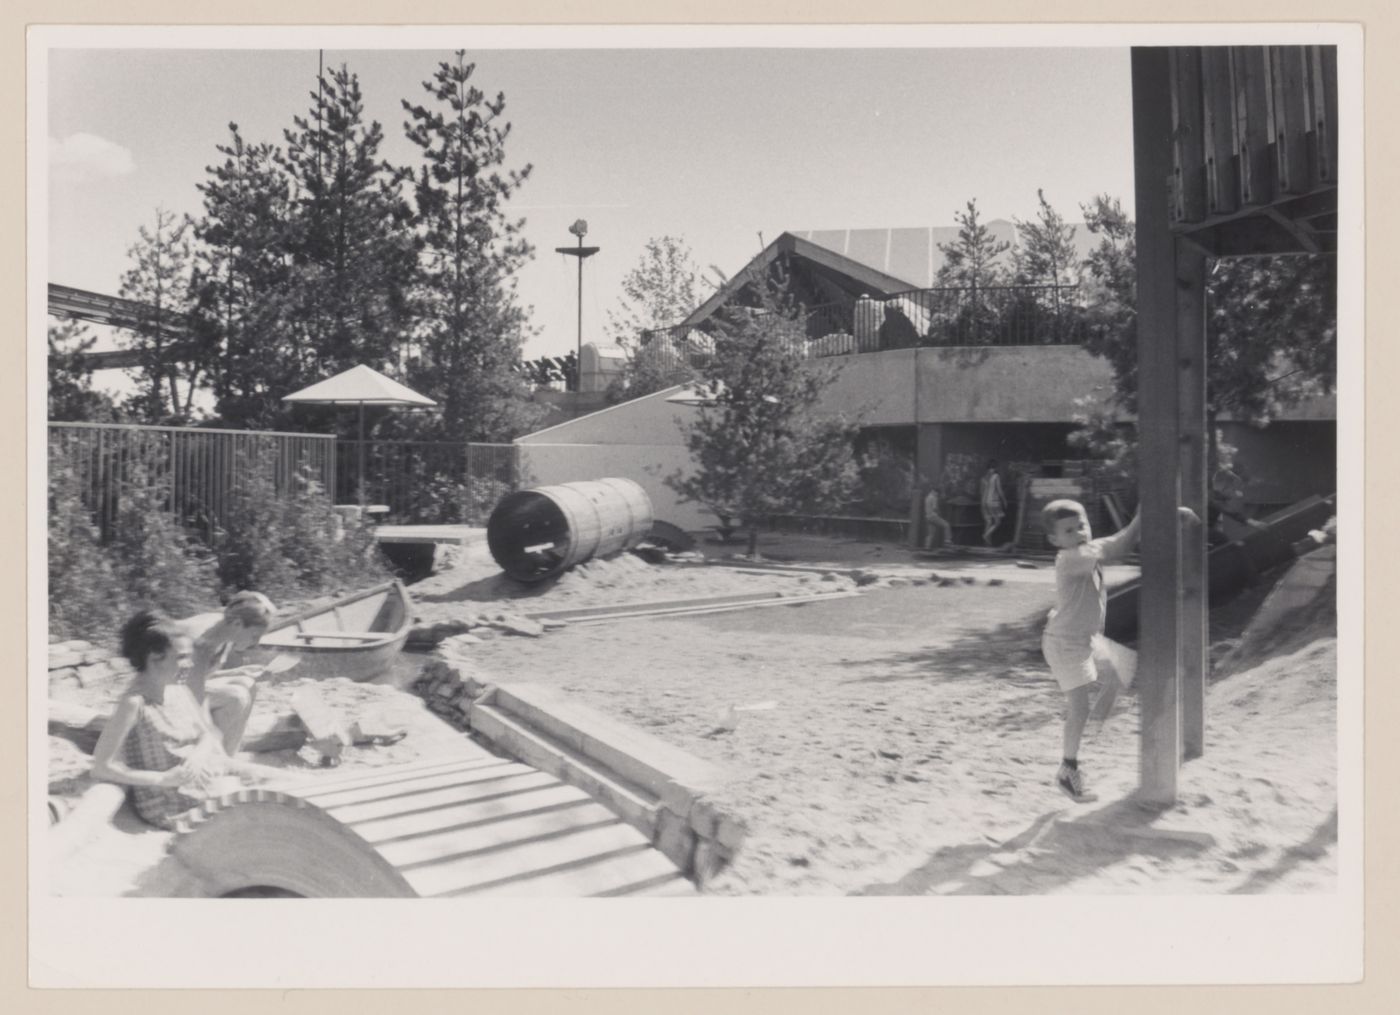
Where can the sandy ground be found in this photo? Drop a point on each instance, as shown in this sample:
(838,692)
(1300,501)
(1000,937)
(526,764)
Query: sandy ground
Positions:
(914,731)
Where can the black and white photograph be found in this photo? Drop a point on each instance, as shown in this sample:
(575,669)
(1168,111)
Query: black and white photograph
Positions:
(892,469)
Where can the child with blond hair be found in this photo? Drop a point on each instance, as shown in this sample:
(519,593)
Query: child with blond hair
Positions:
(1074,646)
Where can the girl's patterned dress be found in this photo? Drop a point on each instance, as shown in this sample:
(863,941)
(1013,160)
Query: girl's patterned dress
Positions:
(163,737)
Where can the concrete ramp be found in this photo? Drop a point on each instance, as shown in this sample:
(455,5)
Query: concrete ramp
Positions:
(1289,609)
(474,827)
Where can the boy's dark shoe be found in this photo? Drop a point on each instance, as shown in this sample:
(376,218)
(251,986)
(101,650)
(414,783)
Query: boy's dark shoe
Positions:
(1071,783)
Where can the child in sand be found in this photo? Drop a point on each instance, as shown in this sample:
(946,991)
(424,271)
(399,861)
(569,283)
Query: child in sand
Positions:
(1073,644)
(160,741)
(228,693)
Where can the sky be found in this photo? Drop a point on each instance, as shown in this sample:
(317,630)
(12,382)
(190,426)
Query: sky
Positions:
(724,147)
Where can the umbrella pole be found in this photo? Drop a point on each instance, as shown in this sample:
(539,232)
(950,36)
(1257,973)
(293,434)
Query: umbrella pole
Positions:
(361,445)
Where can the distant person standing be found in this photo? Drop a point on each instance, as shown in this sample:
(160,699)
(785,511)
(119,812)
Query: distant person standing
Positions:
(993,500)
(936,530)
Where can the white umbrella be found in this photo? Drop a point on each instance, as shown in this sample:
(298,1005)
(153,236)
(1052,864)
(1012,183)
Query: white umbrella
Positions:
(362,386)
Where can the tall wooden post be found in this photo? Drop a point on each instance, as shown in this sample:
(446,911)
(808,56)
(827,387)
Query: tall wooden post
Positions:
(1158,430)
(1195,611)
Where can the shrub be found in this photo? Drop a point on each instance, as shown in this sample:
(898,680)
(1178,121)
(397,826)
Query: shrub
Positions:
(86,598)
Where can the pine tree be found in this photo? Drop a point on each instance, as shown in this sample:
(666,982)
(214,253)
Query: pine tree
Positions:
(759,446)
(243,283)
(71,394)
(472,327)
(349,238)
(972,264)
(160,282)
(1045,256)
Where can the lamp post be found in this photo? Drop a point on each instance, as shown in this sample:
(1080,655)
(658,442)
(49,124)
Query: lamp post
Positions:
(579,229)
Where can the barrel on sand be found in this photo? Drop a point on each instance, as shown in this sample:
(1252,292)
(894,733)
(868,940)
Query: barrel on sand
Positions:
(539,533)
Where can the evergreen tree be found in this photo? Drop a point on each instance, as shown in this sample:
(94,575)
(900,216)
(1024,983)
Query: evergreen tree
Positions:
(243,281)
(1045,256)
(469,341)
(160,282)
(349,239)
(1110,293)
(972,264)
(759,446)
(71,395)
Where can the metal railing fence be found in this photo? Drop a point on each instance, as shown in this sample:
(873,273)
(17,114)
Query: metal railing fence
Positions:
(429,482)
(994,315)
(191,473)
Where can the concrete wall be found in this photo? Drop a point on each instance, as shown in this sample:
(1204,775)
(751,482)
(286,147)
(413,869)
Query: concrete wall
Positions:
(649,420)
(645,464)
(642,440)
(985,384)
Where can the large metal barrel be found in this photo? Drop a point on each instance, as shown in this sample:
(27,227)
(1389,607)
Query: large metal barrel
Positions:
(536,534)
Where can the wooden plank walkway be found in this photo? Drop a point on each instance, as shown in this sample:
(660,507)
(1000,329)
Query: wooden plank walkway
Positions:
(456,535)
(463,827)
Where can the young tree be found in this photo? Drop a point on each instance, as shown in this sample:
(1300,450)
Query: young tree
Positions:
(758,445)
(349,239)
(160,281)
(972,263)
(243,280)
(660,291)
(1271,323)
(1110,298)
(472,327)
(71,395)
(1045,256)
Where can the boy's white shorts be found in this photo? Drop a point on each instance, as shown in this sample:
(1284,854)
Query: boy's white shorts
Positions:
(1075,663)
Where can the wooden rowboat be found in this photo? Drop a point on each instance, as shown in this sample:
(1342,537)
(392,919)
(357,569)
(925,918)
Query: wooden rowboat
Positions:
(358,636)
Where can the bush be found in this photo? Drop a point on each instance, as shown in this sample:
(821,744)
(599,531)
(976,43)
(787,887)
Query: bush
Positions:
(86,598)
(149,562)
(290,543)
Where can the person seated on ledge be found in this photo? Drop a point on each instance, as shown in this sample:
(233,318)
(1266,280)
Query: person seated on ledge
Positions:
(160,741)
(228,693)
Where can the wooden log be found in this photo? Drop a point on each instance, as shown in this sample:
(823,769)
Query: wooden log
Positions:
(1323,95)
(1188,153)
(1217,107)
(1249,73)
(1191,413)
(1159,751)
(1288,76)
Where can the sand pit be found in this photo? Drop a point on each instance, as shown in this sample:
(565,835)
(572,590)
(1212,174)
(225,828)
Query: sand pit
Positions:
(913,732)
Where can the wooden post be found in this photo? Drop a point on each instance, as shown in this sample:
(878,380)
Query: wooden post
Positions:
(1158,445)
(1195,615)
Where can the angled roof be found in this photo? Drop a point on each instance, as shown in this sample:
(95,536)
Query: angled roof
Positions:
(858,277)
(360,385)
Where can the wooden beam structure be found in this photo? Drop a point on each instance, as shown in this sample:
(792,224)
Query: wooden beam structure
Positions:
(1158,426)
(1235,155)
(66,302)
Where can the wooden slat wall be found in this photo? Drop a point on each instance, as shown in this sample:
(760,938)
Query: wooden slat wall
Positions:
(1251,126)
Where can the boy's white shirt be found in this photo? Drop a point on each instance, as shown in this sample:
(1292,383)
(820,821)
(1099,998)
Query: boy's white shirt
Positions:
(1074,584)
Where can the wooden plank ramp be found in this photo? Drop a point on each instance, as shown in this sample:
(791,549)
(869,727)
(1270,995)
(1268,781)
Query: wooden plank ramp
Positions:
(467,827)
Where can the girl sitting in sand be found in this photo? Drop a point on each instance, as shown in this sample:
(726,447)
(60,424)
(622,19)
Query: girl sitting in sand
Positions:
(160,741)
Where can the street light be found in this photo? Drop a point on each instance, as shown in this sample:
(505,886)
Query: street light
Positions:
(579,229)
